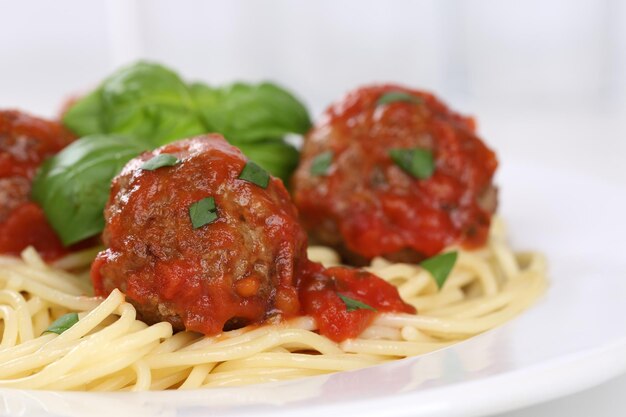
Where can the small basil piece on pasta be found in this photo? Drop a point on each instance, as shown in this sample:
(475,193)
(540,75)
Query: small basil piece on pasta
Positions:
(417,162)
(440,266)
(159,161)
(352,304)
(255,174)
(398,96)
(62,323)
(321,163)
(203,212)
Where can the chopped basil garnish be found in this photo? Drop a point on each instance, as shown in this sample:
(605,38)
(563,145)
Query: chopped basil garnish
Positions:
(255,174)
(394,96)
(352,304)
(440,266)
(321,163)
(417,162)
(159,161)
(62,323)
(203,212)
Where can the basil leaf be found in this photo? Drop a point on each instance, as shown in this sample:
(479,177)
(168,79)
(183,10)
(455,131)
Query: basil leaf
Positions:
(203,212)
(321,163)
(144,100)
(62,323)
(150,102)
(440,266)
(248,113)
(73,186)
(85,116)
(159,161)
(255,174)
(275,156)
(417,162)
(352,304)
(398,96)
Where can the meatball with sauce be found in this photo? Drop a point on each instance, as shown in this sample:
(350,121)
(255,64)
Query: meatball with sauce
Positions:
(391,171)
(25,142)
(203,238)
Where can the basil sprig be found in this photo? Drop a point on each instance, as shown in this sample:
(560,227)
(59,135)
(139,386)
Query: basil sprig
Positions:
(73,186)
(417,162)
(203,212)
(152,103)
(352,304)
(440,266)
(62,323)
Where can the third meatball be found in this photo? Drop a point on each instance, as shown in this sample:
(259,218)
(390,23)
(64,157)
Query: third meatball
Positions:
(391,171)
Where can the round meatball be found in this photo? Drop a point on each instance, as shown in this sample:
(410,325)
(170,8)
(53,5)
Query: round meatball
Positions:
(359,189)
(200,266)
(25,142)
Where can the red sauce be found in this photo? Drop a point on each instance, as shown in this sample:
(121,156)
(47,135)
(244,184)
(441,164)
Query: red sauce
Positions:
(25,142)
(27,226)
(319,290)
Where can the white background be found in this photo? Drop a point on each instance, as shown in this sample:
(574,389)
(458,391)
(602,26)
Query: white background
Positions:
(545,78)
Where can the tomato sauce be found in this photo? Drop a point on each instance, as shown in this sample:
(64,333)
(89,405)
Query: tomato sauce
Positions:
(25,142)
(319,291)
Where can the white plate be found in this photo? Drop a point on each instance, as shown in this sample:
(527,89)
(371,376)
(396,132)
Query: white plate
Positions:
(575,337)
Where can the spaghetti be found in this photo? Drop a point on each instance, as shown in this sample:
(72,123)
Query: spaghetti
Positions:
(109,349)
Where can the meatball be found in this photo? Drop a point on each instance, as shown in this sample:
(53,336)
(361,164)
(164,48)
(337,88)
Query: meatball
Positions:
(360,188)
(25,142)
(232,264)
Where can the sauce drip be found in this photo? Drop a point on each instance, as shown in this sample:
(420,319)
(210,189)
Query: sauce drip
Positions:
(319,290)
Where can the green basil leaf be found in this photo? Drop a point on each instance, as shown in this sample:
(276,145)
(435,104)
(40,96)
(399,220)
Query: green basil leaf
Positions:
(159,161)
(440,266)
(255,174)
(144,100)
(352,304)
(417,162)
(321,163)
(248,113)
(398,96)
(203,212)
(85,116)
(151,102)
(275,156)
(73,186)
(62,323)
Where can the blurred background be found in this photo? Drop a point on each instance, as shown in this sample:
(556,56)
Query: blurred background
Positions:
(542,77)
(545,55)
